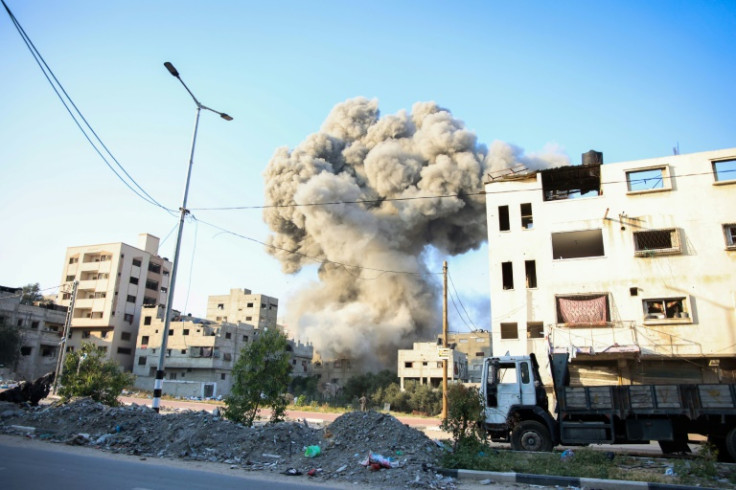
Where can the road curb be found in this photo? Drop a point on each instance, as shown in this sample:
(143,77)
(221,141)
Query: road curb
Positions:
(559,481)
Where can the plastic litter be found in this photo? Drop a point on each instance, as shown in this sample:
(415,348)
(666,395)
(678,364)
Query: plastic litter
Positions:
(312,451)
(669,472)
(376,461)
(567,455)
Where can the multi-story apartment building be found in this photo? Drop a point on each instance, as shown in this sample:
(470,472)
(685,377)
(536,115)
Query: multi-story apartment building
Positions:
(242,306)
(40,325)
(200,354)
(115,281)
(423,364)
(628,266)
(476,345)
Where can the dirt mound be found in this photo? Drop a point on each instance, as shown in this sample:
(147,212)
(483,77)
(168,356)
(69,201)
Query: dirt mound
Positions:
(198,435)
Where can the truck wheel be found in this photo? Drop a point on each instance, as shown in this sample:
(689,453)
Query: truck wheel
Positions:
(531,436)
(731,444)
(720,445)
(677,445)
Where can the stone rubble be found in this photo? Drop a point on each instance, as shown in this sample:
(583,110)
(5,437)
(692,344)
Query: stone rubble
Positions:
(344,444)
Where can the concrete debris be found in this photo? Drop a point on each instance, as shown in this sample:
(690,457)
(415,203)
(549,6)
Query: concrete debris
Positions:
(278,448)
(29,392)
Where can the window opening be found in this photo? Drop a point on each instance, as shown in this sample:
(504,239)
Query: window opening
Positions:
(509,331)
(729,232)
(577,244)
(503,218)
(507,273)
(724,170)
(527,220)
(535,330)
(647,180)
(656,242)
(665,308)
(530,268)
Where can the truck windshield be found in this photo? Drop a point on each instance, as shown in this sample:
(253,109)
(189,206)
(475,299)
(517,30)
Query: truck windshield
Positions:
(504,373)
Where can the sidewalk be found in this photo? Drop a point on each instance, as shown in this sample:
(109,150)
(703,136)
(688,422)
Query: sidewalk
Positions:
(491,477)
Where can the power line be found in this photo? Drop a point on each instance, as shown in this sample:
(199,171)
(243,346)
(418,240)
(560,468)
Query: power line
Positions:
(438,196)
(452,283)
(66,100)
(314,259)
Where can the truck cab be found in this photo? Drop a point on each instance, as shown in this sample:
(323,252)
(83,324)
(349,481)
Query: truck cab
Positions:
(515,403)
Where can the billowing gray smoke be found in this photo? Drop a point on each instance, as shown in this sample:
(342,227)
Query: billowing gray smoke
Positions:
(375,292)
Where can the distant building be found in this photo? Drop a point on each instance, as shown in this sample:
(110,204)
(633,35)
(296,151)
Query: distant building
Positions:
(115,281)
(333,373)
(41,327)
(423,364)
(200,354)
(627,266)
(242,306)
(476,345)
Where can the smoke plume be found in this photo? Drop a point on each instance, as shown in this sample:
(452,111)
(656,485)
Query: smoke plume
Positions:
(421,174)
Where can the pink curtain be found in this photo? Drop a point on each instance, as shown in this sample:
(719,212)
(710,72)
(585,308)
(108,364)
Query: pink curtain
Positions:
(588,310)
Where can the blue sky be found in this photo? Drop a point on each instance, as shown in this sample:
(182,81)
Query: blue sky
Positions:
(630,79)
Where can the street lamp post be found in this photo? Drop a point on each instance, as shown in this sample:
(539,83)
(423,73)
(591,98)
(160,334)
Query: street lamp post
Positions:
(158,385)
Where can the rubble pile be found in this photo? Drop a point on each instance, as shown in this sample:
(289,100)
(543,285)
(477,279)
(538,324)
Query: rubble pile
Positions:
(348,446)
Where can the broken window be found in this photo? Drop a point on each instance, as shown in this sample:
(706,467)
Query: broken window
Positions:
(571,182)
(220,306)
(577,244)
(724,170)
(656,242)
(507,275)
(25,350)
(527,220)
(124,350)
(147,320)
(408,364)
(584,310)
(503,218)
(509,331)
(530,268)
(649,179)
(142,361)
(666,308)
(729,231)
(534,330)
(185,331)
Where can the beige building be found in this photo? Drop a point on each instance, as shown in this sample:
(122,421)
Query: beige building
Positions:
(41,327)
(476,346)
(332,373)
(200,354)
(628,266)
(115,281)
(423,364)
(242,306)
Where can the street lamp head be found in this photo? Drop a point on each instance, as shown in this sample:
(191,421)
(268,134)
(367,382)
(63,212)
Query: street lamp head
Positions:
(171,69)
(226,117)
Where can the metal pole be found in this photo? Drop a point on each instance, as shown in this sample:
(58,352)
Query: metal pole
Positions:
(64,336)
(444,340)
(159,381)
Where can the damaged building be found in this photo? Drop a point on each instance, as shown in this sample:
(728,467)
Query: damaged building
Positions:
(628,266)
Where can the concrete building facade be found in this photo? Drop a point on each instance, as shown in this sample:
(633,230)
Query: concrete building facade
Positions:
(200,354)
(423,364)
(629,266)
(476,345)
(40,326)
(241,305)
(115,281)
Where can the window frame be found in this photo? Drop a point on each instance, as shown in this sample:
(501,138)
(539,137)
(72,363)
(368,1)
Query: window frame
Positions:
(665,176)
(505,330)
(675,241)
(683,317)
(729,234)
(715,163)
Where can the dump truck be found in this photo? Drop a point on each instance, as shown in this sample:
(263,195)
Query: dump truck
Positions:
(516,410)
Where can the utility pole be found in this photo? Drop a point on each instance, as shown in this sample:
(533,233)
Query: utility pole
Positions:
(65,336)
(444,340)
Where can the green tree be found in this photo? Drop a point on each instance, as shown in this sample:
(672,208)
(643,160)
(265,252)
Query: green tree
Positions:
(10,341)
(464,415)
(260,378)
(31,293)
(87,373)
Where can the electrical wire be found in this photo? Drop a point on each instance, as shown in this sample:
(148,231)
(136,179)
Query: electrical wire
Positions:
(438,196)
(66,101)
(470,320)
(314,259)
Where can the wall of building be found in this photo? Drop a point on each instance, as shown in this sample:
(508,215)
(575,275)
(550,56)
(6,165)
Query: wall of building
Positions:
(40,327)
(242,306)
(115,281)
(629,273)
(423,364)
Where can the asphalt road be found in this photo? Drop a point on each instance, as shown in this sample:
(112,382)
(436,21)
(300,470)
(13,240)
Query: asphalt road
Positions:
(32,465)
